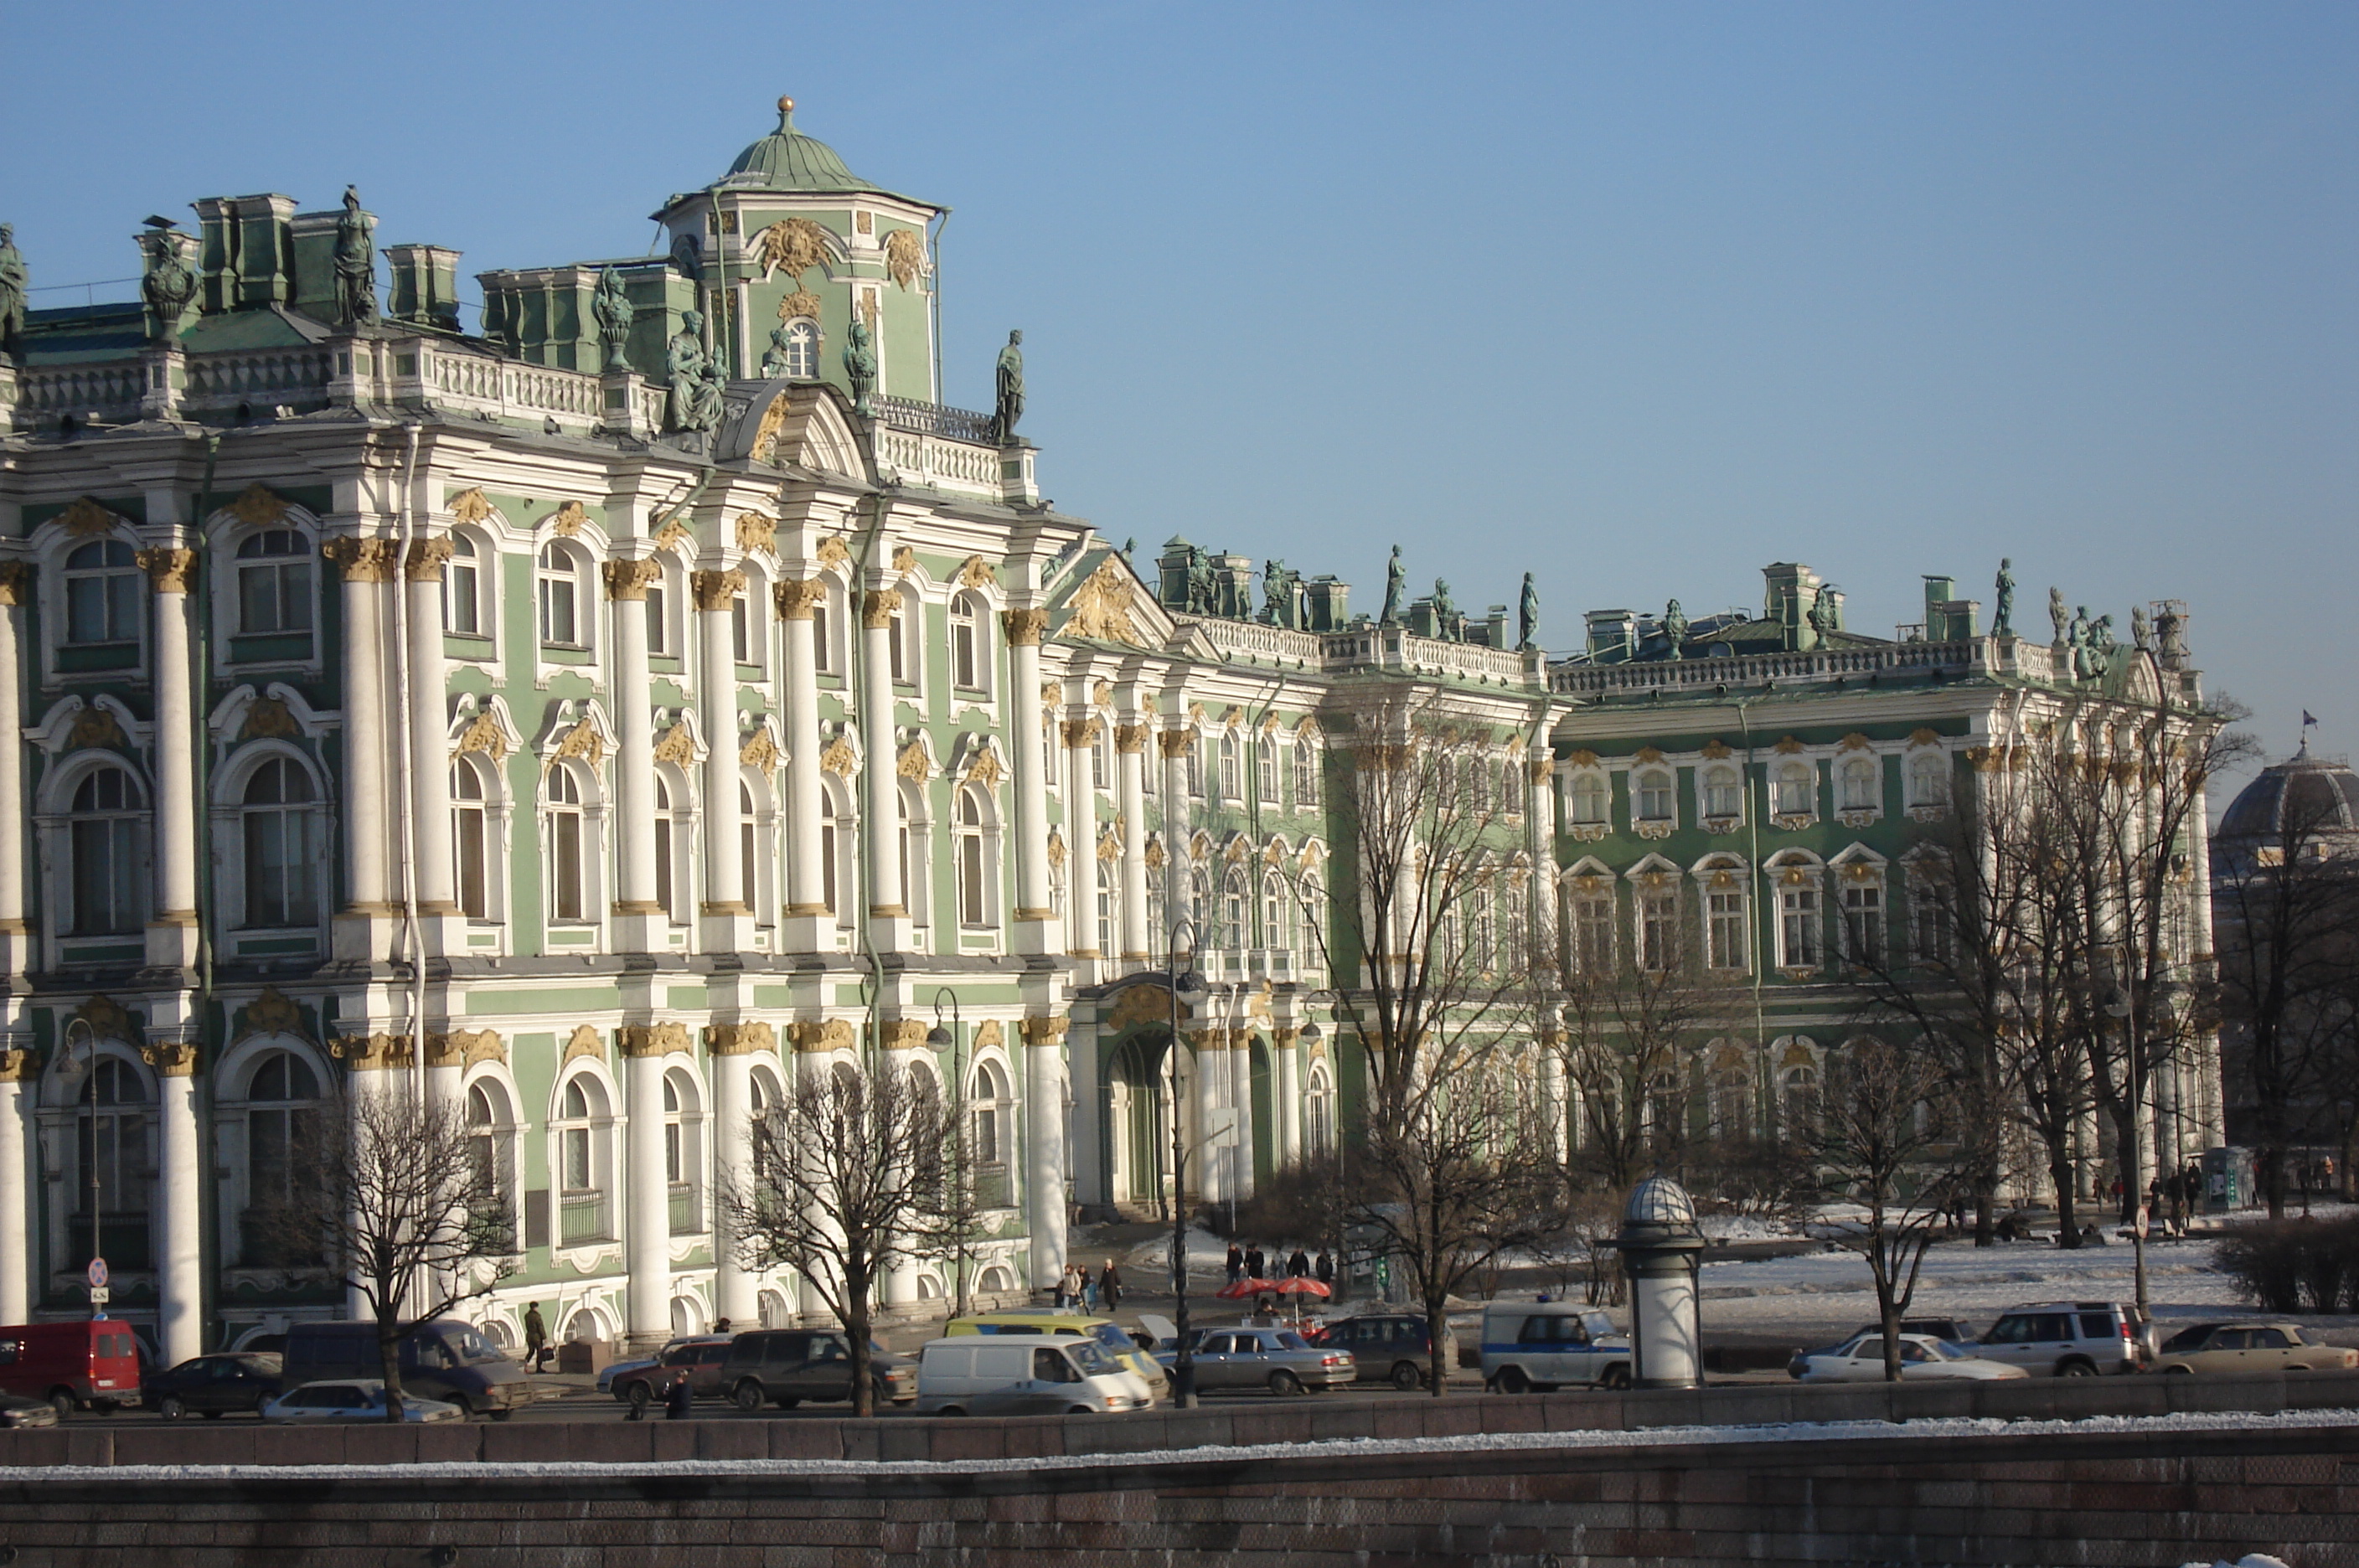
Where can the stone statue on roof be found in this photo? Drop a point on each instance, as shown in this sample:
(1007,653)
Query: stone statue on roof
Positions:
(613,309)
(356,262)
(2141,633)
(16,282)
(1395,581)
(1527,617)
(860,365)
(1200,580)
(694,404)
(1275,608)
(1445,613)
(1008,381)
(1823,611)
(2002,619)
(2062,617)
(1675,629)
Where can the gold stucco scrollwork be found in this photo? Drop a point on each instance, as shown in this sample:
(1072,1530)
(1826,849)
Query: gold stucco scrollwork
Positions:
(757,531)
(653,1040)
(267,718)
(361,560)
(568,520)
(16,582)
(584,1042)
(469,507)
(760,751)
(878,606)
(1105,607)
(977,573)
(95,727)
(739,1039)
(715,590)
(371,1052)
(257,507)
(582,741)
(905,257)
(483,734)
(85,518)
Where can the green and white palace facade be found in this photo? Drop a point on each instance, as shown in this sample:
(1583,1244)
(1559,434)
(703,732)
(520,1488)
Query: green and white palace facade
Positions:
(611,713)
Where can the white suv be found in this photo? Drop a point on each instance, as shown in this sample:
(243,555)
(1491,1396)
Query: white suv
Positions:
(2067,1339)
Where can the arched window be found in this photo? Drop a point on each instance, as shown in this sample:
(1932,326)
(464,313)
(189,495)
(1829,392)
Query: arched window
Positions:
(1724,795)
(802,349)
(1731,1105)
(1199,907)
(1266,771)
(1929,780)
(987,1114)
(823,621)
(112,1143)
(1276,913)
(1861,778)
(1799,945)
(280,825)
(282,1105)
(562,625)
(488,1141)
(1233,785)
(1797,789)
(1308,761)
(969,666)
(102,593)
(1319,1111)
(1314,910)
(670,857)
(463,589)
(470,838)
(1798,1102)
(1100,772)
(896,642)
(975,880)
(1589,798)
(1234,910)
(110,873)
(569,846)
(582,1163)
(683,1156)
(1195,770)
(1727,940)
(1653,795)
(274,582)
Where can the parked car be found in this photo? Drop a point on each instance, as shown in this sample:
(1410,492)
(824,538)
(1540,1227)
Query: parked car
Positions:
(1025,1375)
(2252,1347)
(787,1367)
(352,1400)
(699,1361)
(1923,1359)
(1390,1345)
(213,1386)
(1958,1336)
(2067,1339)
(79,1364)
(16,1411)
(1117,1341)
(614,1370)
(1276,1358)
(446,1360)
(1547,1344)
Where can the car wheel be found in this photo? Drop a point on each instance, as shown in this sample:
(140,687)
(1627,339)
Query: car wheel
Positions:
(64,1403)
(747,1396)
(1511,1380)
(2180,1371)
(2076,1369)
(499,1414)
(786,1401)
(1616,1379)
(171,1407)
(1079,1411)
(1285,1383)
(1407,1378)
(639,1397)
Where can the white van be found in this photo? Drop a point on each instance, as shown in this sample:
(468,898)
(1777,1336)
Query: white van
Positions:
(1025,1375)
(1545,1345)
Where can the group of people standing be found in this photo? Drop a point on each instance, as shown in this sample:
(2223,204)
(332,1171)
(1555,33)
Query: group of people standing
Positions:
(1249,1261)
(1090,1292)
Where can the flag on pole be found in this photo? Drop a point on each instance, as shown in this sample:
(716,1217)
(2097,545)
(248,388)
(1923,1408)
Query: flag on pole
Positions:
(2307,718)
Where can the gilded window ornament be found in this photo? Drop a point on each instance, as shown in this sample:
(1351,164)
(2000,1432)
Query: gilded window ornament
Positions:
(757,531)
(270,1013)
(568,520)
(469,505)
(584,742)
(977,573)
(833,552)
(760,751)
(256,507)
(677,746)
(839,758)
(913,762)
(905,257)
(484,734)
(16,582)
(95,727)
(85,517)
(1102,607)
(267,718)
(905,558)
(584,1042)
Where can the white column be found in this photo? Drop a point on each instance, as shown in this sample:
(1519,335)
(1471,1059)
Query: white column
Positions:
(429,739)
(1539,822)
(1285,1094)
(647,1229)
(811,1061)
(1087,1154)
(728,920)
(1138,937)
(808,919)
(367,564)
(1174,744)
(1241,1157)
(179,1252)
(16,1207)
(888,909)
(640,923)
(730,1047)
(1034,916)
(1044,1143)
(1210,1161)
(16,586)
(903,1038)
(172,932)
(1080,737)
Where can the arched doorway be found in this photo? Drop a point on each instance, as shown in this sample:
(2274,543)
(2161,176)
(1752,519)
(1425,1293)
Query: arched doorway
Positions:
(1136,1133)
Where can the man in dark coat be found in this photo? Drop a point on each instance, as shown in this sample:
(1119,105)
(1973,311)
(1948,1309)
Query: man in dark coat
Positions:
(1236,1263)
(1255,1261)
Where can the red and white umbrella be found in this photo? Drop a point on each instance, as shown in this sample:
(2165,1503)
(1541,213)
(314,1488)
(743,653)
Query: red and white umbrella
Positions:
(1240,1289)
(1303,1285)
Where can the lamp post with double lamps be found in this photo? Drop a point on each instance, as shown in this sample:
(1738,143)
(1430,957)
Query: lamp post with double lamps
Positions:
(1184,988)
(88,1070)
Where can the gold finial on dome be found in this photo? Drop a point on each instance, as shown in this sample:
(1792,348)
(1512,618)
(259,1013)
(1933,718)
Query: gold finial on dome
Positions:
(786,105)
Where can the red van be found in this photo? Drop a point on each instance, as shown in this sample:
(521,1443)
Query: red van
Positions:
(88,1363)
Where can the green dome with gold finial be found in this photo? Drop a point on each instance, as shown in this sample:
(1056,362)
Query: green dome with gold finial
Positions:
(786,159)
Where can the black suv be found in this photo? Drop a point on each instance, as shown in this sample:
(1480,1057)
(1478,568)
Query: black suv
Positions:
(1394,1346)
(787,1367)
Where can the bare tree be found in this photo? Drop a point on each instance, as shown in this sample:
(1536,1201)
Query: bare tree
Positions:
(846,1173)
(1885,1140)
(400,1200)
(1633,1025)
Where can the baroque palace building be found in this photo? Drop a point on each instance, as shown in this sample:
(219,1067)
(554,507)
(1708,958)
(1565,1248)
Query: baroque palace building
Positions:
(609,715)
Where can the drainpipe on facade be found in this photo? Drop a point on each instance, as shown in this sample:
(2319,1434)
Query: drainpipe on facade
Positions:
(406,766)
(200,671)
(861,674)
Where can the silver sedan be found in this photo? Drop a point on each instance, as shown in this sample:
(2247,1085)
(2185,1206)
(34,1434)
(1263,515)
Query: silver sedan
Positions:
(1923,1359)
(356,1399)
(1274,1358)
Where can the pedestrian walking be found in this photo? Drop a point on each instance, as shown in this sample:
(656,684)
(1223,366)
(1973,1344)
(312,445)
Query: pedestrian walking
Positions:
(1324,1269)
(1255,1261)
(1298,1265)
(1089,1291)
(1110,1287)
(1069,1288)
(680,1400)
(1236,1263)
(535,1338)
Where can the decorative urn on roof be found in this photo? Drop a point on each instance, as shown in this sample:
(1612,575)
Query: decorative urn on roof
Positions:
(1662,1252)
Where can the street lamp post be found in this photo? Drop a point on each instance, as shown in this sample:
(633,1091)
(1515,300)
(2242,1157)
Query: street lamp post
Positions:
(1186,986)
(90,1132)
(940,1038)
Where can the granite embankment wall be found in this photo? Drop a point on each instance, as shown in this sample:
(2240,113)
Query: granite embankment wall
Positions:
(1053,1492)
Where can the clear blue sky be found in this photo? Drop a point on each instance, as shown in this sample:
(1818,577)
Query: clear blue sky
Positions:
(1638,296)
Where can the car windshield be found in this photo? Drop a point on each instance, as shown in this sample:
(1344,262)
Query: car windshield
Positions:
(1113,1339)
(1288,1340)
(470,1348)
(1093,1361)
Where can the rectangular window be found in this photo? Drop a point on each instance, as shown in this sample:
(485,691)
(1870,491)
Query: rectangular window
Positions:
(1659,931)
(741,632)
(962,663)
(1724,931)
(1862,907)
(558,627)
(577,1159)
(1098,762)
(1593,935)
(973,909)
(827,865)
(468,846)
(275,597)
(1928,907)
(659,621)
(106,877)
(462,610)
(565,835)
(1798,928)
(822,644)
(1306,777)
(103,608)
(663,867)
(748,867)
(1196,770)
(1589,799)
(895,636)
(1266,772)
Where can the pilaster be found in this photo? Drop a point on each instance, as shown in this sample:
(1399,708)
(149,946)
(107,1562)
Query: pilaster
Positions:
(442,928)
(363,926)
(16,941)
(725,919)
(1138,935)
(1081,738)
(809,924)
(888,909)
(1047,1206)
(172,932)
(1034,919)
(640,923)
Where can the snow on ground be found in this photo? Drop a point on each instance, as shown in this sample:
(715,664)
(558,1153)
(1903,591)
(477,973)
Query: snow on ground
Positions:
(1206,1250)
(1795,1431)
(1960,1281)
